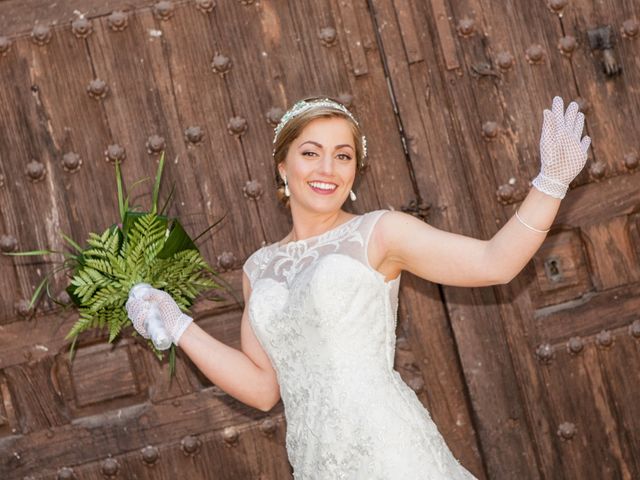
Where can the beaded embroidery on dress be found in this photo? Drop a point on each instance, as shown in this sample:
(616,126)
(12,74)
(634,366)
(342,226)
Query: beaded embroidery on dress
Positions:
(327,319)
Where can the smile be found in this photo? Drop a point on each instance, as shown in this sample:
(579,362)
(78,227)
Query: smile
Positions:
(322,188)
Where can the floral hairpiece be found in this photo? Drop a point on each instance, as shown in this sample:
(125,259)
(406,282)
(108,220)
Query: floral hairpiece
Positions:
(303,106)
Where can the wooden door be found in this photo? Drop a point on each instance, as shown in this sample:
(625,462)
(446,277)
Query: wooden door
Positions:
(550,360)
(453,126)
(207,82)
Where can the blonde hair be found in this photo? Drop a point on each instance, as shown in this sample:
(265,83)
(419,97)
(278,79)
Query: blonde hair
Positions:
(293,128)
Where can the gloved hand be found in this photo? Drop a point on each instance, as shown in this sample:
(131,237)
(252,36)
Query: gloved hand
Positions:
(143,302)
(562,153)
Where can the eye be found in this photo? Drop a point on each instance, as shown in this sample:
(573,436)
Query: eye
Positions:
(346,156)
(308,151)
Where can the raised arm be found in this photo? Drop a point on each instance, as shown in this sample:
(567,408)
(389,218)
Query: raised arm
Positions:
(407,243)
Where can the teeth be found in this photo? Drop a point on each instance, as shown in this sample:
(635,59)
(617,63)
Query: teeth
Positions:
(324,186)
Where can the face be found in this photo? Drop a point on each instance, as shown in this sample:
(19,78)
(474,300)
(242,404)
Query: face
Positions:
(324,152)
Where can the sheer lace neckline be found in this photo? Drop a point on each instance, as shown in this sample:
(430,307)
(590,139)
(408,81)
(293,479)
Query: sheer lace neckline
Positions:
(279,245)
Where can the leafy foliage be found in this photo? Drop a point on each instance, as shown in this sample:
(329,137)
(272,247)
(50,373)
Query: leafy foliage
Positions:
(146,247)
(114,263)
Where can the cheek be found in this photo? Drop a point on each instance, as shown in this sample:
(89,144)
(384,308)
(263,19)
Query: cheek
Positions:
(348,173)
(300,169)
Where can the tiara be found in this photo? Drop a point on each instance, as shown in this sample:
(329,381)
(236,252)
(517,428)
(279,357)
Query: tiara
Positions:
(303,106)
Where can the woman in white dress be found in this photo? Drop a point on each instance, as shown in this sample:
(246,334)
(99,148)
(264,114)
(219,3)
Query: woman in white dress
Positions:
(318,329)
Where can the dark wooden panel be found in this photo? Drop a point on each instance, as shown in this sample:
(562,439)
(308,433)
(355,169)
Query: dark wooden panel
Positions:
(613,101)
(214,458)
(92,384)
(613,257)
(561,268)
(621,375)
(34,395)
(17,17)
(522,92)
(33,207)
(201,98)
(128,430)
(102,377)
(266,72)
(10,423)
(576,387)
(427,360)
(588,205)
(442,114)
(613,308)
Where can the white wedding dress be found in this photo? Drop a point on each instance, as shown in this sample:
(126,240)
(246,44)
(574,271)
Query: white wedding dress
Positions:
(327,321)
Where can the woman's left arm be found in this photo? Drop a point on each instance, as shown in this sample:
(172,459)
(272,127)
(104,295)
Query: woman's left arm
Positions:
(459,260)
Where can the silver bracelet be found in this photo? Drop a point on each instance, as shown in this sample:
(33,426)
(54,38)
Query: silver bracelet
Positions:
(529,226)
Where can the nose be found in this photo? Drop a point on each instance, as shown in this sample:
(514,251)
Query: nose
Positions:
(326,166)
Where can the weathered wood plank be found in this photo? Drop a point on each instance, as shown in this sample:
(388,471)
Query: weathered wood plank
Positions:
(443,164)
(613,101)
(17,17)
(353,39)
(589,314)
(423,319)
(34,396)
(214,458)
(555,75)
(264,75)
(423,103)
(128,430)
(34,205)
(588,205)
(202,99)
(408,30)
(576,387)
(561,269)
(612,255)
(620,366)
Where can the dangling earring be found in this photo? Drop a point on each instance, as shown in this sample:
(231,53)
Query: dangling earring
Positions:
(352,195)
(286,188)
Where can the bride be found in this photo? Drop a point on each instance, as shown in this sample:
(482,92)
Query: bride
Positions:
(318,327)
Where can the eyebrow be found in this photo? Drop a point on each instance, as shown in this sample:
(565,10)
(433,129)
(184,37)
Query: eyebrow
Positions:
(318,145)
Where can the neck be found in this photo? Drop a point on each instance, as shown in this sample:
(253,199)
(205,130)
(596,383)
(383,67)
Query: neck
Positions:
(309,224)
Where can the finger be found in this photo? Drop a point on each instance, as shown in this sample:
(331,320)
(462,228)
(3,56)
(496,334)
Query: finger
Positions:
(128,306)
(148,296)
(570,116)
(155,295)
(548,127)
(579,124)
(131,303)
(584,144)
(558,111)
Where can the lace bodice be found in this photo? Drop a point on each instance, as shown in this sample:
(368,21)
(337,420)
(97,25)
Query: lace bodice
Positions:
(326,319)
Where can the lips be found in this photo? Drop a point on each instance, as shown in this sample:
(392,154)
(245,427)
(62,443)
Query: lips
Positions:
(322,191)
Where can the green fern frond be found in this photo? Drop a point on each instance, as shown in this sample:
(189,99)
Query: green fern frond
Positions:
(109,296)
(102,265)
(115,325)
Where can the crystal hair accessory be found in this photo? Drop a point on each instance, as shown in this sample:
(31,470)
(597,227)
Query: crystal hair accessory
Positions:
(303,106)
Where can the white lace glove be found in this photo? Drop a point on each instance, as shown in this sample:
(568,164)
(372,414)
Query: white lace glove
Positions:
(562,153)
(156,315)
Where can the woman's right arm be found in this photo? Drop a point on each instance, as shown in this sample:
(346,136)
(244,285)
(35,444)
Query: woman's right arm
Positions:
(245,374)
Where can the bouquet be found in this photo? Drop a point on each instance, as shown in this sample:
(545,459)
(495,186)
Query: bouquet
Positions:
(143,249)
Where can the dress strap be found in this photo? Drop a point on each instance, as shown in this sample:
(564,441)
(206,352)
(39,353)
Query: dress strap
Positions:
(374,216)
(254,264)
(365,230)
